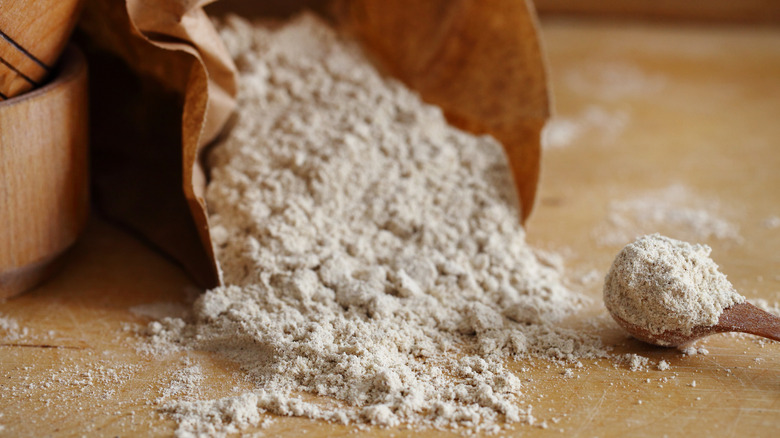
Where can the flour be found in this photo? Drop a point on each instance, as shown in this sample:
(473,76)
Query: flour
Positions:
(636,362)
(160,310)
(610,80)
(11,330)
(693,351)
(771,222)
(372,254)
(215,417)
(70,386)
(662,284)
(184,384)
(70,381)
(766,306)
(606,124)
(674,210)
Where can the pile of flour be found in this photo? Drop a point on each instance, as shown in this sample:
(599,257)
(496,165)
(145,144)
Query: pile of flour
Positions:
(371,253)
(663,284)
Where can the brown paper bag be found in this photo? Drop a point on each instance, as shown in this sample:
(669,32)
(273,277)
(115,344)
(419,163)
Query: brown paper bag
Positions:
(163,88)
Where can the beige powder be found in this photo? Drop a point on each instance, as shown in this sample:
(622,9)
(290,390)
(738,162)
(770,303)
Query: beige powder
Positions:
(372,253)
(10,329)
(663,284)
(675,210)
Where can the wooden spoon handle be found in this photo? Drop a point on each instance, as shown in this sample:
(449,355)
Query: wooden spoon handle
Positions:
(747,318)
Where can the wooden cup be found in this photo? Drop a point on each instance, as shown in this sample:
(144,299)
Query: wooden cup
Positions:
(32,36)
(43,175)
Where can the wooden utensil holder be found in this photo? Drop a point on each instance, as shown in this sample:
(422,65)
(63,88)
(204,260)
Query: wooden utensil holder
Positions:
(43,175)
(32,36)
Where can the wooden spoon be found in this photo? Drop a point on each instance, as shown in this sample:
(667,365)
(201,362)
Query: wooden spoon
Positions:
(743,317)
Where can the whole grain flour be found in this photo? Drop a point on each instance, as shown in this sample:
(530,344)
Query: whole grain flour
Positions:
(372,254)
(663,284)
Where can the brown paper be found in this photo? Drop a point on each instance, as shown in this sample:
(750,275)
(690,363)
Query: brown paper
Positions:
(163,87)
(479,60)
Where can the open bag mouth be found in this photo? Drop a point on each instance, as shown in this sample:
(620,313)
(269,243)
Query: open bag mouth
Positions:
(481,63)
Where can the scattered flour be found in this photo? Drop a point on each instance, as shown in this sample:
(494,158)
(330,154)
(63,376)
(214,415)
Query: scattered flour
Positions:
(8,324)
(663,365)
(160,310)
(607,124)
(74,387)
(371,253)
(67,381)
(674,210)
(771,222)
(10,329)
(636,362)
(163,337)
(662,284)
(766,306)
(612,80)
(215,417)
(184,384)
(693,351)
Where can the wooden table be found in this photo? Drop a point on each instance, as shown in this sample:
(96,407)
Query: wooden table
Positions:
(695,106)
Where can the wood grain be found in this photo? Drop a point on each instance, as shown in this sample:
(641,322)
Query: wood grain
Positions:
(32,36)
(711,125)
(43,175)
(720,11)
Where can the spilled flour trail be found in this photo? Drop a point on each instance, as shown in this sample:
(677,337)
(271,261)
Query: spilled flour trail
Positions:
(371,253)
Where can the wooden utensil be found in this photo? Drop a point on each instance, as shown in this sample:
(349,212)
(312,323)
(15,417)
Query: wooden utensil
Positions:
(32,36)
(743,317)
(43,175)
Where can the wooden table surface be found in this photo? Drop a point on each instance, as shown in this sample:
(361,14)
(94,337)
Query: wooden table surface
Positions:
(643,111)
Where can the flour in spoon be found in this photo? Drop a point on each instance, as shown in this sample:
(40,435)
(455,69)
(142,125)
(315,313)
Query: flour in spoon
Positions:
(372,254)
(663,284)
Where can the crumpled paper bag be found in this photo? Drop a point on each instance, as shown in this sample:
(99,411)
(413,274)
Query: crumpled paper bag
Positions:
(163,87)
